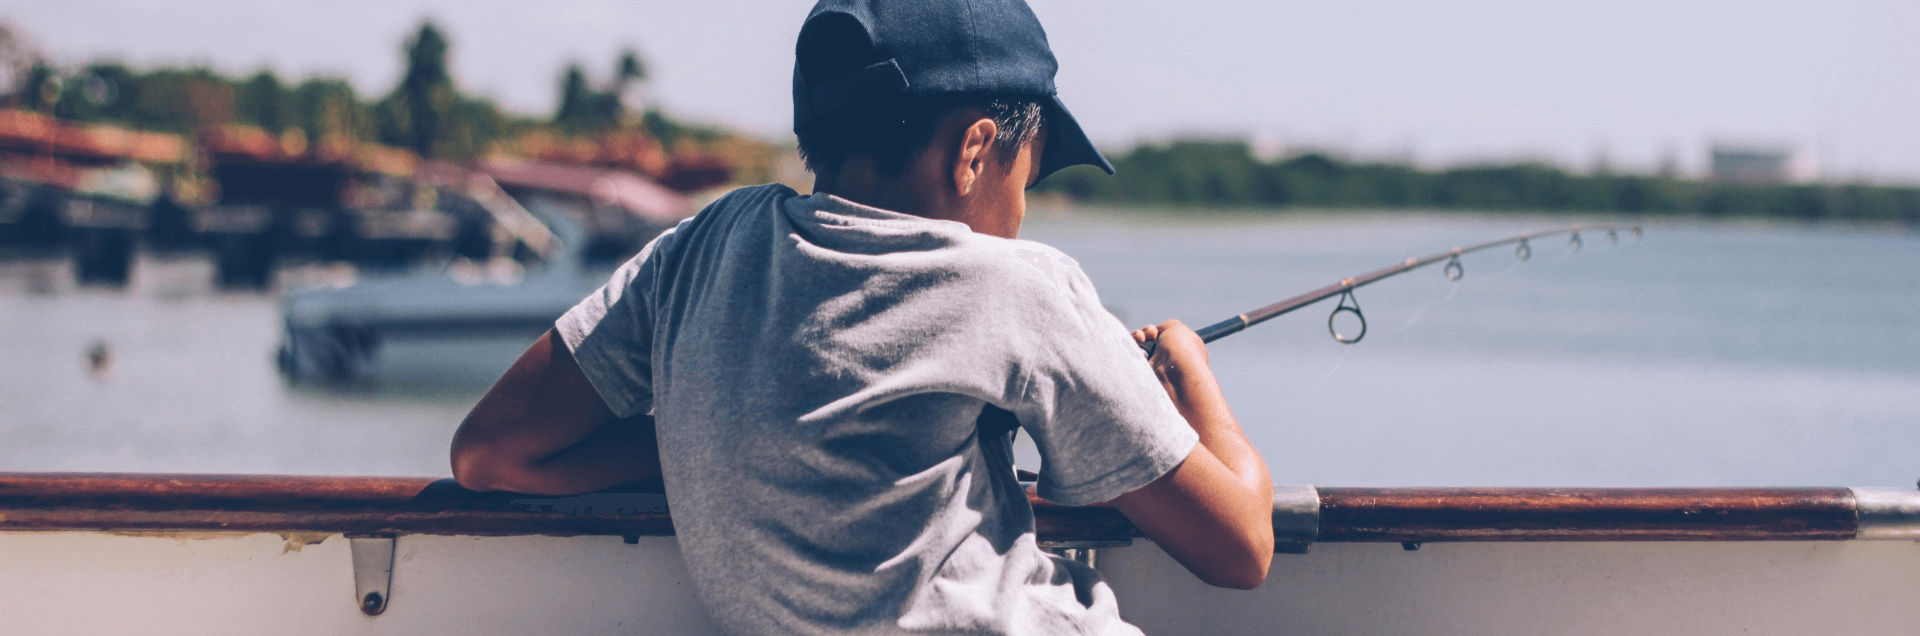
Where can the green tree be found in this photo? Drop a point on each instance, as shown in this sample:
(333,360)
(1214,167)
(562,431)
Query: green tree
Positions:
(474,124)
(180,100)
(629,70)
(584,109)
(671,131)
(102,92)
(42,88)
(263,101)
(325,107)
(578,111)
(416,114)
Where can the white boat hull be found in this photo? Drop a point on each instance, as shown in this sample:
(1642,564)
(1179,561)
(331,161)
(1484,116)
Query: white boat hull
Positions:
(208,583)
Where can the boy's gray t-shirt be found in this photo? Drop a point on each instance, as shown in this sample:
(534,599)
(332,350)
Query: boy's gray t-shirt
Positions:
(815,368)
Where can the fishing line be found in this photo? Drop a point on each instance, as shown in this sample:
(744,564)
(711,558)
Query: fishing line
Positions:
(1508,271)
(1303,395)
(1452,290)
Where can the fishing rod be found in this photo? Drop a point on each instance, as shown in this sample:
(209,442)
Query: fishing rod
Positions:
(1344,288)
(994,421)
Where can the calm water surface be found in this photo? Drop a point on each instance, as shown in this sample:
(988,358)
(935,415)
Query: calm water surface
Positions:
(1710,355)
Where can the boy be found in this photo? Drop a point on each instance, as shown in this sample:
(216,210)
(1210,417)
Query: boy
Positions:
(821,370)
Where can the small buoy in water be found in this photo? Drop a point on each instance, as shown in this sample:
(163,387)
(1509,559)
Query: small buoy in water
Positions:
(40,282)
(99,358)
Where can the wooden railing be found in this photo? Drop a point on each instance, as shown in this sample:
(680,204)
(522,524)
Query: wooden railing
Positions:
(1586,514)
(419,505)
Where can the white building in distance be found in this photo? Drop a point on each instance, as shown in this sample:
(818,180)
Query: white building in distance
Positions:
(1756,163)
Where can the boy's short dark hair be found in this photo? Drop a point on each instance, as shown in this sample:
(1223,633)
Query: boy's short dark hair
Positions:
(895,131)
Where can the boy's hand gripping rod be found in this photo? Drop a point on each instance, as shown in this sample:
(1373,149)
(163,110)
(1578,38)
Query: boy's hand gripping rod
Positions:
(1344,288)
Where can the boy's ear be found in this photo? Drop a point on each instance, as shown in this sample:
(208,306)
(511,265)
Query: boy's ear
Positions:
(971,159)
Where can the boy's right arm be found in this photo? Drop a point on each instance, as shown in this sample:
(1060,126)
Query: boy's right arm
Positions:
(543,429)
(1213,512)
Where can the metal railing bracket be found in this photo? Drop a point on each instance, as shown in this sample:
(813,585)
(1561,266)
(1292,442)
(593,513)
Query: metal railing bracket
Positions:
(372,571)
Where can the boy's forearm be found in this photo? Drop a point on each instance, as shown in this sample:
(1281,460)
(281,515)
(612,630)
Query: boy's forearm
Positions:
(1197,395)
(1212,513)
(1180,362)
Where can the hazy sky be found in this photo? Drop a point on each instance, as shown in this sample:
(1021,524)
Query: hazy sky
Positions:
(1439,82)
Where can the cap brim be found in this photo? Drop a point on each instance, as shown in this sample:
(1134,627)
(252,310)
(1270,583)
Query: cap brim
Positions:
(1067,145)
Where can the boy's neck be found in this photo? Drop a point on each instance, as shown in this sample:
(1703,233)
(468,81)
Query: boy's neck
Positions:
(885,196)
(956,177)
(859,182)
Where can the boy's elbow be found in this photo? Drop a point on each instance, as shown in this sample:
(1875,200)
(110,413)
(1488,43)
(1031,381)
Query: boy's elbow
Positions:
(475,468)
(1242,579)
(468,472)
(1247,570)
(1249,575)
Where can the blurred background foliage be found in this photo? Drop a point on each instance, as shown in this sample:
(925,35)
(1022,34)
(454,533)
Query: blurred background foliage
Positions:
(426,112)
(1213,174)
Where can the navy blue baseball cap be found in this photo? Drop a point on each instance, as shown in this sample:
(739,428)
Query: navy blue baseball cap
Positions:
(934,47)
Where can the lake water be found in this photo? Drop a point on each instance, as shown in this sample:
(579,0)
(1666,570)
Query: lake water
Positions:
(1704,355)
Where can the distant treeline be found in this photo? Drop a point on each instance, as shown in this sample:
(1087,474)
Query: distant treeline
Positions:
(426,112)
(1228,174)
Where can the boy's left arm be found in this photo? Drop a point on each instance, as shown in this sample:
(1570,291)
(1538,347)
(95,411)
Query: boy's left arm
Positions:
(544,429)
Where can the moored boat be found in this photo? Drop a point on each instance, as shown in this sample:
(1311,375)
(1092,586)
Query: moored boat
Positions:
(576,225)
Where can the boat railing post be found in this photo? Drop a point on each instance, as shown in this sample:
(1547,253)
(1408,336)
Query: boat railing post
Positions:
(1084,552)
(1296,518)
(1886,514)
